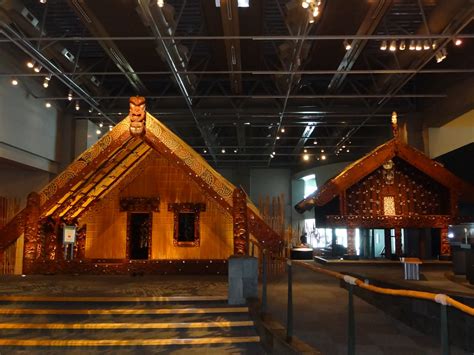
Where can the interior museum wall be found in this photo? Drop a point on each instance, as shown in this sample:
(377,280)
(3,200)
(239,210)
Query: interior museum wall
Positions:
(322,174)
(106,235)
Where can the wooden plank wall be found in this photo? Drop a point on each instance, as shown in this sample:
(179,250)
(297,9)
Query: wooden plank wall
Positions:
(107,227)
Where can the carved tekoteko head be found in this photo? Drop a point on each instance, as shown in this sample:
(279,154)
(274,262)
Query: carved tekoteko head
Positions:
(137,115)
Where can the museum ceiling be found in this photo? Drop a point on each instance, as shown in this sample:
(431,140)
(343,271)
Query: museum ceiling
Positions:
(258,85)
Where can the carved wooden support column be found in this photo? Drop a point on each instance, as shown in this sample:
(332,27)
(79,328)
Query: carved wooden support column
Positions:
(398,241)
(80,245)
(445,246)
(32,242)
(351,250)
(241,230)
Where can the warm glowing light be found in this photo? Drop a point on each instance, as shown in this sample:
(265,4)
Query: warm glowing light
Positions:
(110,127)
(315,142)
(101,125)
(322,150)
(457,41)
(323,157)
(30,64)
(426,45)
(222,150)
(38,68)
(347,45)
(69,96)
(48,105)
(412,46)
(305,5)
(160,3)
(14,82)
(282,130)
(393,46)
(305,151)
(278,137)
(98,132)
(306,157)
(383,46)
(77,106)
(418,47)
(402,46)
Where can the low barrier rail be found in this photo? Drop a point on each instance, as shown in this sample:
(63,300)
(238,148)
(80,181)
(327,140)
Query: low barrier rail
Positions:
(443,300)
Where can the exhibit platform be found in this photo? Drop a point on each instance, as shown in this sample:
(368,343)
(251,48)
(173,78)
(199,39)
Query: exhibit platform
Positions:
(339,261)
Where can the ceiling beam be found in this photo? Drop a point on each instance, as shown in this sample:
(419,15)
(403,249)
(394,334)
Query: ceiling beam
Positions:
(230,26)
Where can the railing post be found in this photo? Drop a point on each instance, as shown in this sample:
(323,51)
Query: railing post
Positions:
(289,318)
(264,281)
(444,330)
(351,282)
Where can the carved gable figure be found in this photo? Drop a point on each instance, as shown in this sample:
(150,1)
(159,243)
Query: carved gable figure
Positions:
(137,116)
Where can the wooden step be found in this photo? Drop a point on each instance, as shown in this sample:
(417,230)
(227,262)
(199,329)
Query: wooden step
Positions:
(124,311)
(134,342)
(176,325)
(112,299)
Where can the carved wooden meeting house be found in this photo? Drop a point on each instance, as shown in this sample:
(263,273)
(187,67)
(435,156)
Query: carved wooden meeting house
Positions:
(141,200)
(393,187)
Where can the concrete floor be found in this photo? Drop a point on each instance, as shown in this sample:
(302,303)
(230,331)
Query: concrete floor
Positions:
(320,319)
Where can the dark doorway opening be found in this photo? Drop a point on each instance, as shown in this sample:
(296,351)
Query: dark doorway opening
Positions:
(186,227)
(139,234)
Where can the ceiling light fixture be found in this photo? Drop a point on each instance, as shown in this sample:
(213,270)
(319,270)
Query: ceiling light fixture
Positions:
(412,46)
(101,125)
(46,81)
(312,6)
(160,3)
(383,46)
(441,55)
(418,47)
(323,157)
(282,130)
(223,151)
(315,142)
(48,105)
(347,45)
(14,81)
(110,127)
(78,107)
(204,151)
(457,42)
(402,46)
(305,151)
(42,1)
(38,68)
(426,45)
(30,64)
(393,46)
(305,157)
(434,45)
(98,132)
(69,95)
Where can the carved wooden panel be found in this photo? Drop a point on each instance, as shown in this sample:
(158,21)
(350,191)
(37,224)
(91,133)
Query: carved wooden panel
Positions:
(179,210)
(241,232)
(414,193)
(139,204)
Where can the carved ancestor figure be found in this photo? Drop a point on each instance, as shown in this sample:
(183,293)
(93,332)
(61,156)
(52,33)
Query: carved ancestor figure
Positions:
(137,116)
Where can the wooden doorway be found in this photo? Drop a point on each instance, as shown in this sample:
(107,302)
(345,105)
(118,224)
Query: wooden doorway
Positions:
(139,236)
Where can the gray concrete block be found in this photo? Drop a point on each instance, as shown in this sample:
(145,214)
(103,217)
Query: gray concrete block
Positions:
(243,279)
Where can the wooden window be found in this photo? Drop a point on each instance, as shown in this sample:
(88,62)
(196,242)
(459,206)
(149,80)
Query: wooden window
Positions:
(186,223)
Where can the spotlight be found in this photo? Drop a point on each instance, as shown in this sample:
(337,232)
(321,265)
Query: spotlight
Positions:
(38,68)
(30,64)
(110,127)
(14,82)
(347,150)
(412,46)
(323,157)
(457,42)
(223,151)
(46,81)
(393,46)
(98,132)
(69,95)
(418,47)
(42,1)
(90,110)
(305,157)
(434,45)
(48,105)
(441,55)
(383,46)
(304,5)
(305,151)
(322,150)
(160,3)
(204,151)
(77,106)
(347,45)
(311,20)
(426,45)
(101,125)
(402,46)
(278,137)
(282,130)
(235,150)
(315,142)
(316,12)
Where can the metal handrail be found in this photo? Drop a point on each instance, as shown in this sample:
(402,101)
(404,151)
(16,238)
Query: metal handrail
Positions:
(438,298)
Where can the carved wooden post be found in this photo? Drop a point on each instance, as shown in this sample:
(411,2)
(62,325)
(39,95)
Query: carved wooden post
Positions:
(445,247)
(80,246)
(32,240)
(351,250)
(398,241)
(239,213)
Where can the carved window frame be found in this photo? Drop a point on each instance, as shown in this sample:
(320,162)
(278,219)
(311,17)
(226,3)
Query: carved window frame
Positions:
(195,208)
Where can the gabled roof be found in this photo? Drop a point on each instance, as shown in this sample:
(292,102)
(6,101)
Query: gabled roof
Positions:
(359,169)
(101,167)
